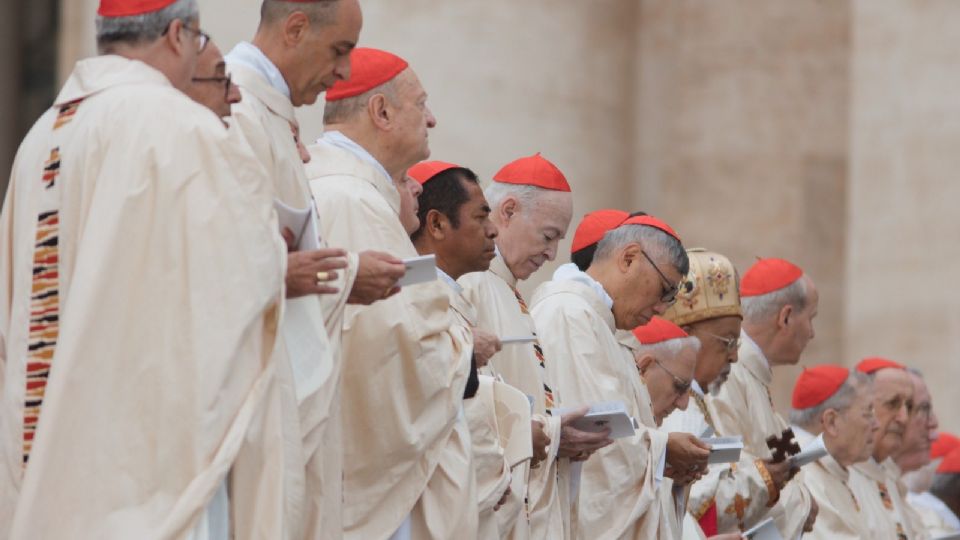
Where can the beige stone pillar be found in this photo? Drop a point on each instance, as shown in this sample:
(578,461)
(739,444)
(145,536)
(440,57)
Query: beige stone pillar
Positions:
(903,261)
(741,129)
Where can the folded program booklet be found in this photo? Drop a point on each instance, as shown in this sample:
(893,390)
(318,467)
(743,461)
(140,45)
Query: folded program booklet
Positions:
(606,414)
(419,270)
(810,453)
(301,223)
(765,530)
(724,449)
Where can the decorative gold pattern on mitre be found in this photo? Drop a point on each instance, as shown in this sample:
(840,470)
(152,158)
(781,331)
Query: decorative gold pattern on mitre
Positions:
(708,291)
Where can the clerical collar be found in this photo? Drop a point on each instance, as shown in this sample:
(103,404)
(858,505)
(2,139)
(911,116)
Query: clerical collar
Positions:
(249,55)
(339,140)
(570,272)
(445,277)
(695,386)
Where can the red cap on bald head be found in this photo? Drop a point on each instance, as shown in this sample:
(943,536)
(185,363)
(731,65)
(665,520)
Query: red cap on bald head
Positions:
(129,8)
(425,170)
(369,68)
(594,225)
(874,364)
(658,330)
(817,384)
(651,221)
(533,170)
(767,276)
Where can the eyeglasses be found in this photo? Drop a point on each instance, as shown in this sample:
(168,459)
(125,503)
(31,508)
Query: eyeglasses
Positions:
(203,37)
(680,386)
(730,344)
(669,294)
(225,80)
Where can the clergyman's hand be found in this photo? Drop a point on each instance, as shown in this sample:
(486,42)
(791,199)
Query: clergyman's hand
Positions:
(579,445)
(377,277)
(485,345)
(541,442)
(780,473)
(686,456)
(308,272)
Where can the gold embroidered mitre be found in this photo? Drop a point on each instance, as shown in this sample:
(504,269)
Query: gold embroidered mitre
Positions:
(708,291)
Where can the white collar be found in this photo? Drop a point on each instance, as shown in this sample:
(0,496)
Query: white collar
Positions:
(695,386)
(744,336)
(339,140)
(249,55)
(570,272)
(445,277)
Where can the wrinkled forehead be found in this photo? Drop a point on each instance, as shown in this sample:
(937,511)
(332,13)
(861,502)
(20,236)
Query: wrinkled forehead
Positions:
(920,391)
(553,209)
(889,382)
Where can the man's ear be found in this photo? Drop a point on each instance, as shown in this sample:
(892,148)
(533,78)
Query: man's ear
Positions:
(628,256)
(436,225)
(508,208)
(784,316)
(644,361)
(830,422)
(176,36)
(295,27)
(379,110)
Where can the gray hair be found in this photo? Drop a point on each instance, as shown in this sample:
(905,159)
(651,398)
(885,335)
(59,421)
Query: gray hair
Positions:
(137,29)
(654,241)
(496,192)
(840,401)
(671,348)
(764,306)
(342,110)
(320,12)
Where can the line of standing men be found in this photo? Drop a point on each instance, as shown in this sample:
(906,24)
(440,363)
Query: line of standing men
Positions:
(174,365)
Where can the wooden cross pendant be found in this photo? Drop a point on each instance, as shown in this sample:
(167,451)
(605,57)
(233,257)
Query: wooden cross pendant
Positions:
(783,446)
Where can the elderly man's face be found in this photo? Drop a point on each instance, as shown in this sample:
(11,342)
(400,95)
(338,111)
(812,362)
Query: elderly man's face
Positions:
(921,428)
(413,119)
(530,233)
(638,295)
(322,55)
(892,401)
(409,190)
(718,349)
(853,437)
(794,337)
(210,85)
(668,380)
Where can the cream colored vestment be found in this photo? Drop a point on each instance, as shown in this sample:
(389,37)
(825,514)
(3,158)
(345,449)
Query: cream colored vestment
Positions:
(743,406)
(618,494)
(141,285)
(871,486)
(406,362)
(546,514)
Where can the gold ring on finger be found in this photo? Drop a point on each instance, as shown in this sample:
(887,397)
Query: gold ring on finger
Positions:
(323,276)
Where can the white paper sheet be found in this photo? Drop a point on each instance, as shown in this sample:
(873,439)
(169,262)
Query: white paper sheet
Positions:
(419,270)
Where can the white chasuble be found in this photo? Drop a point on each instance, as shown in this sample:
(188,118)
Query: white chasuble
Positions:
(539,504)
(140,290)
(406,361)
(618,494)
(743,406)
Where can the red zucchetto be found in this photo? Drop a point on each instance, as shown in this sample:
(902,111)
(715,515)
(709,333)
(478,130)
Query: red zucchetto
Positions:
(129,8)
(874,364)
(944,444)
(950,464)
(658,330)
(425,170)
(533,170)
(767,276)
(369,68)
(594,225)
(651,221)
(815,385)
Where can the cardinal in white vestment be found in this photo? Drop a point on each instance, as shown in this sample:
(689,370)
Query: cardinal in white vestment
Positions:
(914,457)
(454,225)
(835,404)
(779,303)
(871,480)
(531,205)
(634,276)
(932,485)
(142,278)
(406,359)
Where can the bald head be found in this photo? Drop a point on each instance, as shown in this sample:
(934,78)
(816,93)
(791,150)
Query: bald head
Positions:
(320,12)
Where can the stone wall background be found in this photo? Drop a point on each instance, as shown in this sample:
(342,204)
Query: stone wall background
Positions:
(823,131)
